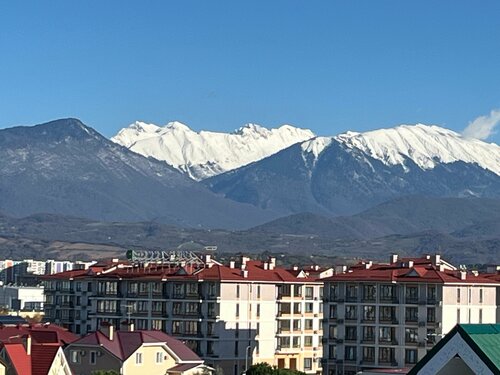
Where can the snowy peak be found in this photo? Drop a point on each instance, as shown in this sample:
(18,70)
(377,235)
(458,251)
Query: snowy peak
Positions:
(205,154)
(426,145)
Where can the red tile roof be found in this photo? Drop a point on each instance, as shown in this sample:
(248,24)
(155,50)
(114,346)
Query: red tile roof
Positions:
(179,369)
(19,358)
(125,343)
(40,333)
(422,270)
(42,357)
(254,271)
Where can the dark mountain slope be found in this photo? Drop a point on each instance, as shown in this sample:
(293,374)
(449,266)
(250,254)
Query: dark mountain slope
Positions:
(68,168)
(345,181)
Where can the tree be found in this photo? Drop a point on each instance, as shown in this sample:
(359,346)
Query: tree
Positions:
(266,369)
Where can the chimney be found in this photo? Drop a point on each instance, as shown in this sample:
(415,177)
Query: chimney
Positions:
(316,267)
(244,273)
(441,268)
(232,264)
(410,263)
(244,261)
(108,329)
(394,258)
(208,258)
(28,345)
(436,260)
(368,265)
(127,326)
(295,268)
(463,275)
(272,263)
(266,266)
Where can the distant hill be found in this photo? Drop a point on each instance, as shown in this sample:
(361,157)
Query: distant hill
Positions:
(65,167)
(460,216)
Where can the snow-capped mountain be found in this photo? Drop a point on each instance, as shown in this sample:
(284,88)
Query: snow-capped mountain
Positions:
(354,171)
(204,154)
(427,146)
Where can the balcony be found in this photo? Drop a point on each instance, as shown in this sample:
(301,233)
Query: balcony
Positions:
(389,300)
(411,300)
(351,298)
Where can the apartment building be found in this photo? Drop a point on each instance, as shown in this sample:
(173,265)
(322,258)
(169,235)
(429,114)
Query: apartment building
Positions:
(230,315)
(390,315)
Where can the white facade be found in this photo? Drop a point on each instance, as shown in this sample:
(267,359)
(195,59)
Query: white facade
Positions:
(22,297)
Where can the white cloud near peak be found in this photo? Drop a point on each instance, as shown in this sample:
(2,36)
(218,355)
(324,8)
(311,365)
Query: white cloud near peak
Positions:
(483,126)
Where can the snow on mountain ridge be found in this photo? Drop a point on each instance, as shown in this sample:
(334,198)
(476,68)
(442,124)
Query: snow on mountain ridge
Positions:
(426,145)
(206,153)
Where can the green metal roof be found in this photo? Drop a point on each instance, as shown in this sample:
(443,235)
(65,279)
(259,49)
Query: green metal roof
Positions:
(487,338)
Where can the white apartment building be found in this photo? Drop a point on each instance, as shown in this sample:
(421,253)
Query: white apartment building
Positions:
(390,315)
(22,298)
(231,315)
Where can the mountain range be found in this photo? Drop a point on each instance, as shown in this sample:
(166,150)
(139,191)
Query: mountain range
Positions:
(66,167)
(205,154)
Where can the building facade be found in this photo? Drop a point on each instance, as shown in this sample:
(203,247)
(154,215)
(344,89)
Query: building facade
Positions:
(390,315)
(230,315)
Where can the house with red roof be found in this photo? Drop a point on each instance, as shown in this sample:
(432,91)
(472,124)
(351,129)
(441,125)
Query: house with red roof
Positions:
(133,352)
(388,315)
(34,349)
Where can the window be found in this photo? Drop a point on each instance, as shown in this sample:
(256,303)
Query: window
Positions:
(192,289)
(387,292)
(138,358)
(297,308)
(332,352)
(297,290)
(258,310)
(75,356)
(309,307)
(93,357)
(369,313)
(458,315)
(411,335)
(431,294)
(470,294)
(143,288)
(481,295)
(309,292)
(258,291)
(387,313)
(411,294)
(458,295)
(237,291)
(237,310)
(351,312)
(386,355)
(350,353)
(369,292)
(296,341)
(387,334)
(308,324)
(431,315)
(176,327)
(296,325)
(351,333)
(352,292)
(177,308)
(308,341)
(284,325)
(191,327)
(431,335)
(480,316)
(411,314)
(284,342)
(236,348)
(333,312)
(333,292)
(159,357)
(307,364)
(411,356)
(369,334)
(368,353)
(332,332)
(192,308)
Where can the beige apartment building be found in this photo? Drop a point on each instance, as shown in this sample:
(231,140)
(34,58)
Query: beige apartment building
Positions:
(390,315)
(230,315)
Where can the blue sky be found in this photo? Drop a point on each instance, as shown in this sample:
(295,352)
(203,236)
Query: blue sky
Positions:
(326,65)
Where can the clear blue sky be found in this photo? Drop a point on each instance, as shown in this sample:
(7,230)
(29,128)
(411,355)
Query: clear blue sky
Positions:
(325,65)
